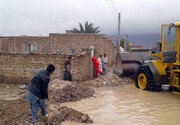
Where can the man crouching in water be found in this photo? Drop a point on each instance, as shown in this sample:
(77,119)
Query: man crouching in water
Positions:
(37,91)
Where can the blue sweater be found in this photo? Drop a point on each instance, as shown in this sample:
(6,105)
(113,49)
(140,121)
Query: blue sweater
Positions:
(39,84)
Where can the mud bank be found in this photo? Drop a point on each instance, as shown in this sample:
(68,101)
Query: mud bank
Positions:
(63,91)
(17,112)
(66,113)
(14,112)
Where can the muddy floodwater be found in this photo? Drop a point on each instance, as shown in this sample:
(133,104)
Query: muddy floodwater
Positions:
(127,105)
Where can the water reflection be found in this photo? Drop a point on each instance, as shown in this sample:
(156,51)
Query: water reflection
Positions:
(127,105)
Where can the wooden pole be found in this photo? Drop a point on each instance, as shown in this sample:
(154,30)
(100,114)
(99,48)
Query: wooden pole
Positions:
(48,108)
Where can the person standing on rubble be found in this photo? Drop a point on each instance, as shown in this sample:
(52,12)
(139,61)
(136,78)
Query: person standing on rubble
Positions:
(96,66)
(100,64)
(37,91)
(67,69)
(104,61)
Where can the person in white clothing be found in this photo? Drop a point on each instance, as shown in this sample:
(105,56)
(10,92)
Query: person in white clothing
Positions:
(104,63)
(100,63)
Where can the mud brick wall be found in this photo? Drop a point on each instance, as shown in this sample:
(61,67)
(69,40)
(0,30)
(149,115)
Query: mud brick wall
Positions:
(66,43)
(63,44)
(19,44)
(20,68)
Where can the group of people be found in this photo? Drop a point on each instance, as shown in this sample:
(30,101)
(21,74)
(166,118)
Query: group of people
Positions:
(100,65)
(37,90)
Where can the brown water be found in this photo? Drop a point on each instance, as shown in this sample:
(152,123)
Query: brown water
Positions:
(127,105)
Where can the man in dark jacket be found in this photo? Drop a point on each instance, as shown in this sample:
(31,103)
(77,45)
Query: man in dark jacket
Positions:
(37,91)
(67,69)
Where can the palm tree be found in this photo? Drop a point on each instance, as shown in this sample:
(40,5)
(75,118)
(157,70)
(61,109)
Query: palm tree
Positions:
(88,28)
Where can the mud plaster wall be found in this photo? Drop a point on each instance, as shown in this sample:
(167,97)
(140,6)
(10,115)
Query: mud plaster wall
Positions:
(20,68)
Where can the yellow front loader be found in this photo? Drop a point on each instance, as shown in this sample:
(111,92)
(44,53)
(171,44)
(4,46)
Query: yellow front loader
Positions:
(166,70)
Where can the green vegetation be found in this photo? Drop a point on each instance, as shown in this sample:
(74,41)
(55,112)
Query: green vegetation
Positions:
(88,28)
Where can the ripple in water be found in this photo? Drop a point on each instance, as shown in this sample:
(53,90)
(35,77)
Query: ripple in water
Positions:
(127,105)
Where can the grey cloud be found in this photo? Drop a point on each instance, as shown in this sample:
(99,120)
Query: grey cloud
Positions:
(34,17)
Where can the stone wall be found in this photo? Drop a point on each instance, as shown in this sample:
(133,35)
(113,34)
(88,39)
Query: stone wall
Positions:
(59,43)
(19,44)
(66,43)
(20,68)
(69,43)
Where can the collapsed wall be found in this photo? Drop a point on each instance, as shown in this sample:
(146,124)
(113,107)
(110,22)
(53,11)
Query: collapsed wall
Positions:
(20,68)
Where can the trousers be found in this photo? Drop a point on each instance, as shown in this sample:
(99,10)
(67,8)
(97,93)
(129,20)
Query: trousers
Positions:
(35,103)
(67,76)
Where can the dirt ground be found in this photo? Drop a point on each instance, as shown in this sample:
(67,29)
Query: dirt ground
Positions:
(109,79)
(14,110)
(17,112)
(68,92)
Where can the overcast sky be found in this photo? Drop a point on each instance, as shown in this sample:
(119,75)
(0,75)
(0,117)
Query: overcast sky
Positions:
(35,17)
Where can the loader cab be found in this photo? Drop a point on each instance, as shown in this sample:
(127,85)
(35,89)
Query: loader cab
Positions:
(171,44)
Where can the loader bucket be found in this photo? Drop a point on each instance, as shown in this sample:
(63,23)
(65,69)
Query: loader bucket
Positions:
(127,62)
(118,65)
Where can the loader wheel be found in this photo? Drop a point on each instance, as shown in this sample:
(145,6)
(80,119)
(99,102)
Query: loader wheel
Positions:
(144,79)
